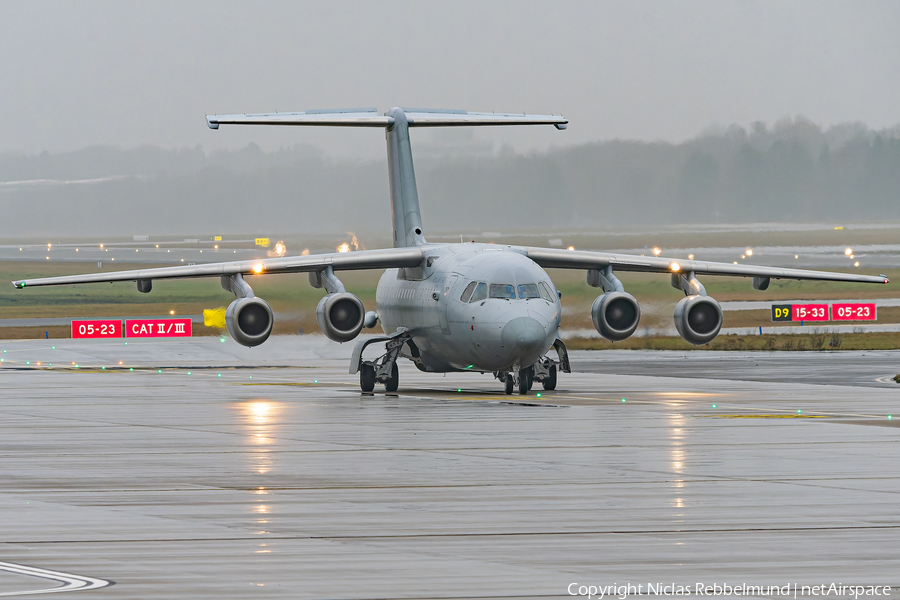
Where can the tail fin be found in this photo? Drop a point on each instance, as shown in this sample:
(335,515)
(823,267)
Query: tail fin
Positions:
(397,121)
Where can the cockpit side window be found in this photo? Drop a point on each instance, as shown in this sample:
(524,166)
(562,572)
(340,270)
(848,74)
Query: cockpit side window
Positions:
(528,291)
(503,290)
(480,294)
(467,293)
(546,294)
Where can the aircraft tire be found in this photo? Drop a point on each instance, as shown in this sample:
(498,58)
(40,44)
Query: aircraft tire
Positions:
(509,383)
(524,382)
(393,383)
(367,378)
(550,382)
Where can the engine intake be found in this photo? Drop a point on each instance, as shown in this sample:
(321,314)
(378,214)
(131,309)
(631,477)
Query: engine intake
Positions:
(340,316)
(249,321)
(698,319)
(616,315)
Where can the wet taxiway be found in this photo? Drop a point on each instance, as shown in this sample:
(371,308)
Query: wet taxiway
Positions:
(214,471)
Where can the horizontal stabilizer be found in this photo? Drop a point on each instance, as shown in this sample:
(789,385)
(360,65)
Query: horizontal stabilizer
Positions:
(357,117)
(368,117)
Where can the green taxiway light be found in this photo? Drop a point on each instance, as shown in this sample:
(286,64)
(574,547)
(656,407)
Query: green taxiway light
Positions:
(219,375)
(538,394)
(27,362)
(458,389)
(315,381)
(623,399)
(714,405)
(126,343)
(53,347)
(159,370)
(189,372)
(251,377)
(799,411)
(890,417)
(222,340)
(102,368)
(131,369)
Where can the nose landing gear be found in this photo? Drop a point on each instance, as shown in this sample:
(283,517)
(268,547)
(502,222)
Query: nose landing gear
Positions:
(545,370)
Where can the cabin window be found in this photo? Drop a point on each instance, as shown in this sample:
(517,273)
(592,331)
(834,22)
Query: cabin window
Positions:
(546,294)
(503,290)
(528,291)
(467,293)
(480,293)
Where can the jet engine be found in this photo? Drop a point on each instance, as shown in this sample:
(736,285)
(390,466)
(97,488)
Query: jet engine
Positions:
(340,316)
(249,321)
(698,319)
(616,315)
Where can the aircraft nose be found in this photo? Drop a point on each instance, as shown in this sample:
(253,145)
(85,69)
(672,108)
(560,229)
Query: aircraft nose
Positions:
(524,337)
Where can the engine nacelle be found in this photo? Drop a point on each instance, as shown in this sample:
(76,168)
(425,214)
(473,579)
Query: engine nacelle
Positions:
(249,321)
(698,319)
(616,315)
(340,316)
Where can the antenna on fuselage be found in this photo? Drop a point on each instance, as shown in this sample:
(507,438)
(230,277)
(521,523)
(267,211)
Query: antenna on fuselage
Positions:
(407,221)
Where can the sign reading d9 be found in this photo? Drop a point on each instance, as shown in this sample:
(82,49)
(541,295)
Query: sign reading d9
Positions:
(96,329)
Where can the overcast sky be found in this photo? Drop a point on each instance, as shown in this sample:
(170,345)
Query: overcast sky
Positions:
(131,73)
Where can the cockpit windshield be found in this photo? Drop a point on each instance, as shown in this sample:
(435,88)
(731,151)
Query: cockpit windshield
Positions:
(477,291)
(503,290)
(528,291)
(480,293)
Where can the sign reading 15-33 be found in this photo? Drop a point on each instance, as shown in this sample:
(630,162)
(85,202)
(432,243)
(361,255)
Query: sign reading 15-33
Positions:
(848,311)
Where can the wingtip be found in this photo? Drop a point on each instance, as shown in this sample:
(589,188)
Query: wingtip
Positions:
(211,122)
(18,284)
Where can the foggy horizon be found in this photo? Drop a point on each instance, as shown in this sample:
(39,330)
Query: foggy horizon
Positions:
(129,74)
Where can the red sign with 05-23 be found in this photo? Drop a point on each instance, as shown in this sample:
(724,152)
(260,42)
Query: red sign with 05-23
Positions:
(810,312)
(135,328)
(96,329)
(856,311)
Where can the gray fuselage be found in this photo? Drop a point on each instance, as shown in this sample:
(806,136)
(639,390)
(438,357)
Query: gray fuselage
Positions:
(480,307)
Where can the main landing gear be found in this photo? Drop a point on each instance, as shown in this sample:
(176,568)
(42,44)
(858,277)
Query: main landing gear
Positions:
(545,370)
(384,368)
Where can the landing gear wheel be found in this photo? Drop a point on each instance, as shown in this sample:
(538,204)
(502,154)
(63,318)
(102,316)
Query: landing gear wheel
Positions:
(549,382)
(367,378)
(524,382)
(391,384)
(509,383)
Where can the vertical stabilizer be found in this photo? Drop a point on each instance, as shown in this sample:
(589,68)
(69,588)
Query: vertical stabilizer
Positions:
(404,195)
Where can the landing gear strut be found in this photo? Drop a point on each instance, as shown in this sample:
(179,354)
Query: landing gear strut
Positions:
(384,368)
(545,370)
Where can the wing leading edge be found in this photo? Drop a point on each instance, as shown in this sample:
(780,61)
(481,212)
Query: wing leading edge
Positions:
(581,259)
(347,261)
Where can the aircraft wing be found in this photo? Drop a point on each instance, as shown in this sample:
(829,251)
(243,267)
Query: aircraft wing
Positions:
(581,259)
(340,261)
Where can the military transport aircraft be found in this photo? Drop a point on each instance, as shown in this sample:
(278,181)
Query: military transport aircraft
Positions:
(454,307)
